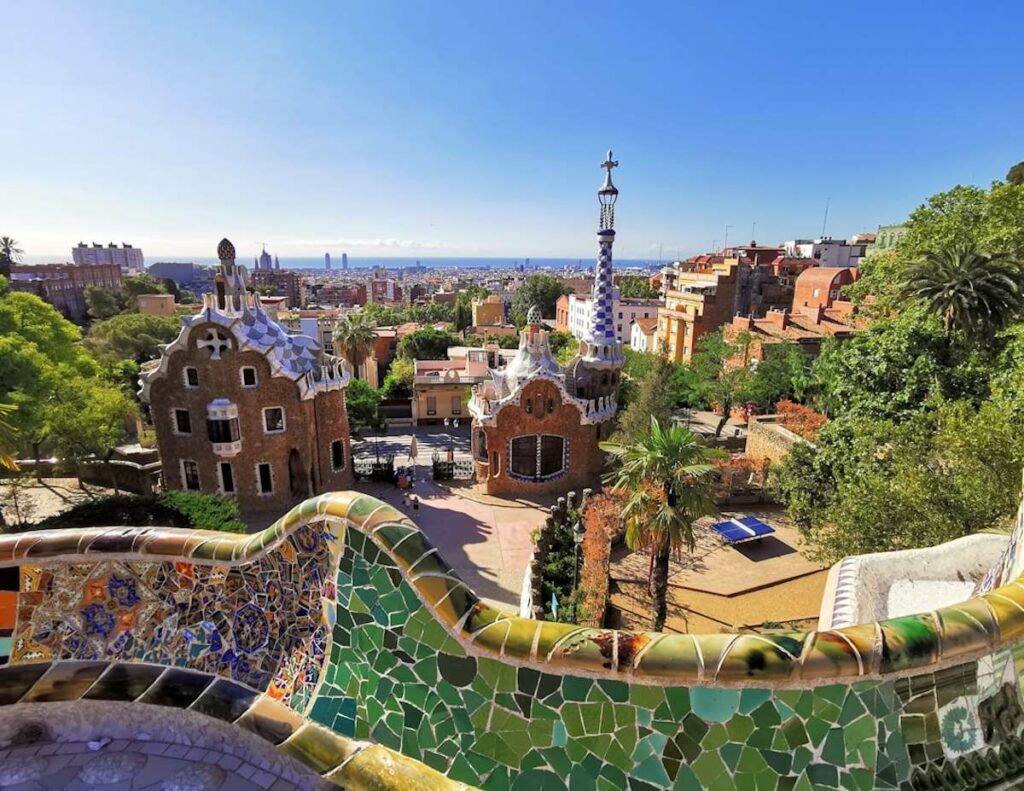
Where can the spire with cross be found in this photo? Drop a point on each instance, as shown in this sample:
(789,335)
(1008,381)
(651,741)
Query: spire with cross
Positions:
(603,347)
(608,194)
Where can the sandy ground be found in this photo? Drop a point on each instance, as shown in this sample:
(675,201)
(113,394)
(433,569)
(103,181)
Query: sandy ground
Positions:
(49,498)
(725,587)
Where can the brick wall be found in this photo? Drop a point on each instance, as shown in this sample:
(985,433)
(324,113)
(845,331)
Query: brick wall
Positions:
(310,427)
(585,458)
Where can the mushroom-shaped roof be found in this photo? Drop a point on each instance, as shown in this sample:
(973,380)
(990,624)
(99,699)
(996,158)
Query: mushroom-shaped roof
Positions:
(533,315)
(226,250)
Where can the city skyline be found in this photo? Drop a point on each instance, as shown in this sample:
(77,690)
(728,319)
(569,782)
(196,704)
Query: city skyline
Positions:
(397,130)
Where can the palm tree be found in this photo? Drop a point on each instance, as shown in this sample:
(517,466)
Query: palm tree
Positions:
(974,293)
(9,253)
(667,475)
(354,338)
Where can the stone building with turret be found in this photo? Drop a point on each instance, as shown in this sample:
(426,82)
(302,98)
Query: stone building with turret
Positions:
(244,408)
(537,425)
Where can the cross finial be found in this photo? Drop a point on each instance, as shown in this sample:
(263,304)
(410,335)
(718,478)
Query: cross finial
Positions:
(609,163)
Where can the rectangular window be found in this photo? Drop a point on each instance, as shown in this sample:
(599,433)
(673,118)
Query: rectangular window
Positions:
(248,377)
(265,477)
(431,405)
(620,314)
(191,377)
(221,431)
(190,475)
(337,454)
(182,422)
(227,478)
(273,419)
(456,405)
(524,456)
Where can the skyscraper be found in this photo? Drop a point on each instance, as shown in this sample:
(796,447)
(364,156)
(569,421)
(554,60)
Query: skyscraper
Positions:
(264,262)
(277,262)
(344,262)
(327,261)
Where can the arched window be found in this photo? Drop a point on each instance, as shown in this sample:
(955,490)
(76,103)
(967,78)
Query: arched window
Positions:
(529,406)
(481,445)
(537,457)
(551,405)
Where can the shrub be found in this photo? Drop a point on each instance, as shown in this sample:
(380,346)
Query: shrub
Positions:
(169,509)
(800,419)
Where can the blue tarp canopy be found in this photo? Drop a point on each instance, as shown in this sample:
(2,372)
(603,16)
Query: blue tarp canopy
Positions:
(746,528)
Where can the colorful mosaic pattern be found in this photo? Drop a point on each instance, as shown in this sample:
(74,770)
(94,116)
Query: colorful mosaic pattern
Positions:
(419,665)
(262,623)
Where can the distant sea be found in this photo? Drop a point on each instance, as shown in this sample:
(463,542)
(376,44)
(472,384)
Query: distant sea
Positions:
(355,262)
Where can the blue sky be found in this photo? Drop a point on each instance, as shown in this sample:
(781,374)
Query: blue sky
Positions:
(476,128)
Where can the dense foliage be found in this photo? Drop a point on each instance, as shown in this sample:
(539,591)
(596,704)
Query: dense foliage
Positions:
(361,403)
(925,438)
(132,336)
(540,290)
(62,393)
(635,286)
(427,343)
(169,509)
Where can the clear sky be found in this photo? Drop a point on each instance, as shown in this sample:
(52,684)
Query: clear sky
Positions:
(476,128)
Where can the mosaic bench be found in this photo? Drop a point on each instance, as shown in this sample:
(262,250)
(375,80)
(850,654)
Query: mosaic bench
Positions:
(349,636)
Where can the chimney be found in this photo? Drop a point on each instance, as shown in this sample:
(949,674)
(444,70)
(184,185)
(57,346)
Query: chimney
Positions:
(743,322)
(779,318)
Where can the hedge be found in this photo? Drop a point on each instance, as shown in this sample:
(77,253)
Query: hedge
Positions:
(169,509)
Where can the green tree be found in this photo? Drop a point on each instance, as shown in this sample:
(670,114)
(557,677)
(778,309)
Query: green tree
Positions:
(426,344)
(723,382)
(503,341)
(132,336)
(894,369)
(880,485)
(540,290)
(361,403)
(781,374)
(8,438)
(88,422)
(636,287)
(354,339)
(667,475)
(988,220)
(652,399)
(1015,175)
(101,303)
(135,286)
(974,294)
(398,382)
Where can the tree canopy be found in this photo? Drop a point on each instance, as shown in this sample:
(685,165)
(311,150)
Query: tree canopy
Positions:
(925,440)
(540,290)
(427,343)
(132,336)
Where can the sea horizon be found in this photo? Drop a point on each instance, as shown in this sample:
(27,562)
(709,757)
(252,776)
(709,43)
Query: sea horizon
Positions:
(403,262)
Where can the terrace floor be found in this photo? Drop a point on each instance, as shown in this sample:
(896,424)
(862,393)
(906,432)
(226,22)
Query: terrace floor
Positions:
(720,586)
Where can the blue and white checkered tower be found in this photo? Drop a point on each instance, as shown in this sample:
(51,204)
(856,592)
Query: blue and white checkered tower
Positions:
(602,346)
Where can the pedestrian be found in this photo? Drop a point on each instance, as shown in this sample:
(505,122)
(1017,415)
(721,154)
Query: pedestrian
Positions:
(415,503)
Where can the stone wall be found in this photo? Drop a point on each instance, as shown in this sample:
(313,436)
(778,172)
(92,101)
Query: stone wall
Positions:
(766,439)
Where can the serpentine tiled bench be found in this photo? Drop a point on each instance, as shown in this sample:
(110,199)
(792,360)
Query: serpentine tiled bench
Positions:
(341,614)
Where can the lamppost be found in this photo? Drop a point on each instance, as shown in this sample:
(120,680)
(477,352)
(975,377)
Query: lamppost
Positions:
(453,423)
